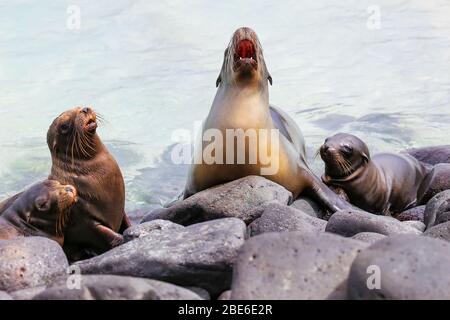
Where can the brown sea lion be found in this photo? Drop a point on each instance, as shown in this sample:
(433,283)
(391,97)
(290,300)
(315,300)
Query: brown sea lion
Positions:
(79,158)
(241,107)
(382,184)
(42,210)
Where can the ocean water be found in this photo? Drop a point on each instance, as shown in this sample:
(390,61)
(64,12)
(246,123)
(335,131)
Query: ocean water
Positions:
(380,70)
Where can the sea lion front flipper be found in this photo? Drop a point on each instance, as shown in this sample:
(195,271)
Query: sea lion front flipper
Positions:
(109,238)
(126,223)
(325,196)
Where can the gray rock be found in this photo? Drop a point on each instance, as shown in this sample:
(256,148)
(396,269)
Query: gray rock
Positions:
(200,255)
(440,181)
(27,294)
(347,223)
(413,214)
(225,296)
(236,199)
(438,209)
(415,224)
(282,218)
(432,155)
(410,267)
(292,265)
(368,237)
(5,296)
(107,287)
(308,206)
(440,231)
(30,262)
(202,293)
(144,229)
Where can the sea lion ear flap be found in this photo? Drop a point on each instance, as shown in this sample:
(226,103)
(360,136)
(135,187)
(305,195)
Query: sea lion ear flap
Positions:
(219,78)
(269,77)
(366,157)
(218,81)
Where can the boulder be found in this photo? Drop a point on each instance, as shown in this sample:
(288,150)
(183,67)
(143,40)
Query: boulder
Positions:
(438,209)
(108,287)
(368,237)
(348,223)
(413,214)
(415,224)
(439,181)
(402,267)
(5,296)
(27,294)
(144,229)
(236,199)
(225,295)
(29,262)
(292,265)
(432,155)
(282,218)
(440,231)
(308,206)
(201,255)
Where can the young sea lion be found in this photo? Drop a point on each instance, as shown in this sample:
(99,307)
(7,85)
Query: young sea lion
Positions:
(242,105)
(80,158)
(42,210)
(384,184)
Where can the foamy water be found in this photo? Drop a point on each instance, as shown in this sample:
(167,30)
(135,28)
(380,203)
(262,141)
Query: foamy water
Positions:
(150,67)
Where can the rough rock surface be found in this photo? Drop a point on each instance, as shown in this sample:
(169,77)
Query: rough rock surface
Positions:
(144,229)
(350,222)
(236,199)
(308,206)
(30,262)
(292,265)
(440,181)
(415,224)
(440,231)
(107,287)
(408,267)
(225,295)
(413,214)
(5,296)
(368,237)
(438,209)
(282,218)
(200,255)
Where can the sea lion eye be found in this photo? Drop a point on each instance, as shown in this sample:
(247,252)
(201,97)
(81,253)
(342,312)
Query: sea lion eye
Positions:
(42,204)
(64,128)
(347,150)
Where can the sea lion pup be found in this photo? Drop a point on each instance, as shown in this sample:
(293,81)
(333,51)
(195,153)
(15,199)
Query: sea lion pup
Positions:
(42,210)
(241,107)
(384,184)
(79,158)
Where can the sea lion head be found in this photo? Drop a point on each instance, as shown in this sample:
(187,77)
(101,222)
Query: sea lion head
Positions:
(243,60)
(46,207)
(343,155)
(73,134)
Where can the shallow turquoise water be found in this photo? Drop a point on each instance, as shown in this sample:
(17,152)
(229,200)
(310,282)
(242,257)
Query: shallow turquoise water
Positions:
(150,68)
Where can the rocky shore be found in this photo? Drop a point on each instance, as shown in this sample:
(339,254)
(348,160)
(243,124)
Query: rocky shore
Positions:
(247,239)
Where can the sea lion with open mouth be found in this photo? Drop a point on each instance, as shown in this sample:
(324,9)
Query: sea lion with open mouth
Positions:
(42,210)
(241,106)
(383,184)
(79,158)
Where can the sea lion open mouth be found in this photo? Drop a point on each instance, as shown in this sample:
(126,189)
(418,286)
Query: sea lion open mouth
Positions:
(245,54)
(91,124)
